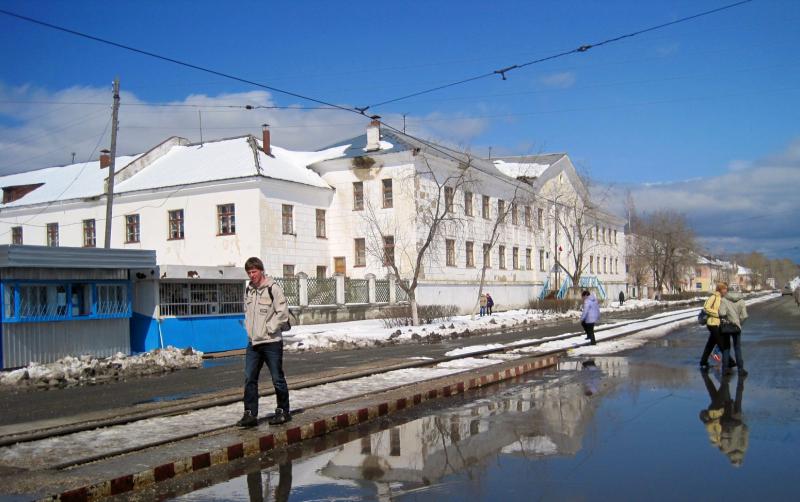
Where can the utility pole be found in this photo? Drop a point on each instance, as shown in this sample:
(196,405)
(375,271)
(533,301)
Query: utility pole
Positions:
(111,167)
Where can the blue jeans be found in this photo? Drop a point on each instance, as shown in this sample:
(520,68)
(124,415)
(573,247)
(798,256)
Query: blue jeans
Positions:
(255,357)
(483,311)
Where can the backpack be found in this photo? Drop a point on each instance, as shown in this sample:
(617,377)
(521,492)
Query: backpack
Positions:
(288,324)
(702,317)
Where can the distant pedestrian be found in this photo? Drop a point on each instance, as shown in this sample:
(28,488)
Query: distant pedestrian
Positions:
(711,308)
(733,313)
(796,294)
(621,298)
(590,314)
(489,303)
(482,301)
(266,317)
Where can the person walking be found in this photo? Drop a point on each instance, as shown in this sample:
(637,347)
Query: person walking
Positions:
(733,313)
(489,303)
(482,303)
(711,308)
(590,314)
(266,316)
(621,298)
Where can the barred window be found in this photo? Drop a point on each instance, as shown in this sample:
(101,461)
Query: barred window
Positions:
(112,299)
(470,250)
(321,223)
(88,233)
(16,235)
(358,196)
(450,252)
(287,219)
(131,228)
(201,298)
(468,203)
(175,224)
(387,193)
(226,219)
(52,235)
(361,252)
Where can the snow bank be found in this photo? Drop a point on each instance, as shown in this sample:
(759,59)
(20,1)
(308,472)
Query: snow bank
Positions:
(73,370)
(794,283)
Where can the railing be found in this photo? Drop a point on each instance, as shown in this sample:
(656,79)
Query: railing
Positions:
(321,291)
(356,291)
(399,293)
(291,289)
(382,291)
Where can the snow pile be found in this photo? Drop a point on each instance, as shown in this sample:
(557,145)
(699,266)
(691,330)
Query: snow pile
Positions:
(473,348)
(73,370)
(794,283)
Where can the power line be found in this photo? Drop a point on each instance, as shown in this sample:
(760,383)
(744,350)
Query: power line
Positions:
(583,48)
(166,105)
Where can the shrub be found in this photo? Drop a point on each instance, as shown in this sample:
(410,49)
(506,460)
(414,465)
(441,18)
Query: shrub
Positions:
(554,305)
(685,295)
(394,316)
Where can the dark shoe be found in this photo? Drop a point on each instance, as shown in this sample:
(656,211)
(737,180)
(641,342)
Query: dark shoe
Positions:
(742,372)
(247,420)
(280,417)
(728,371)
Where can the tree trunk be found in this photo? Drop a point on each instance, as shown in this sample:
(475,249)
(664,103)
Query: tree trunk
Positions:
(480,291)
(412,299)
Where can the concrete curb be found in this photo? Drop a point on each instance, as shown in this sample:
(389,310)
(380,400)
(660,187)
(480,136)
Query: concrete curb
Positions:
(290,436)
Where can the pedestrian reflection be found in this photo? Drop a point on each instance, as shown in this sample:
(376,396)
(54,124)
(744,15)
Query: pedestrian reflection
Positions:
(257,490)
(723,418)
(592,383)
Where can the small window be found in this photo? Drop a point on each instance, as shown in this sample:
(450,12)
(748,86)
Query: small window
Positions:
(501,257)
(112,299)
(515,258)
(487,256)
(605,268)
(361,253)
(450,251)
(358,196)
(540,217)
(16,235)
(501,210)
(81,299)
(175,224)
(485,207)
(529,259)
(597,261)
(542,267)
(591,264)
(616,265)
(288,271)
(388,250)
(388,200)
(468,203)
(528,216)
(226,219)
(322,271)
(514,217)
(287,219)
(89,234)
(615,236)
(448,199)
(321,231)
(52,235)
(470,251)
(131,228)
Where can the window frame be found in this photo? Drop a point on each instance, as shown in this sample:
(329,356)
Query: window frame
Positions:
(486,207)
(226,219)
(363,261)
(51,235)
(449,199)
(287,219)
(89,227)
(358,196)
(132,228)
(387,194)
(388,250)
(321,223)
(501,257)
(450,252)
(469,250)
(175,225)
(468,204)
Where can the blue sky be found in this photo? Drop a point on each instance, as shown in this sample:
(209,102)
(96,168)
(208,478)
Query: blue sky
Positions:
(700,99)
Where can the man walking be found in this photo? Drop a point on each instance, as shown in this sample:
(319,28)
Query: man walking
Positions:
(590,314)
(266,315)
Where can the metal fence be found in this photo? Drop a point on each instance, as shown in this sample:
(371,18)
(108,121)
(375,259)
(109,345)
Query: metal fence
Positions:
(400,294)
(382,291)
(356,291)
(202,298)
(321,291)
(291,288)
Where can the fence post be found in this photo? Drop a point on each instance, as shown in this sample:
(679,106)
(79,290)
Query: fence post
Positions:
(370,288)
(339,288)
(392,291)
(302,289)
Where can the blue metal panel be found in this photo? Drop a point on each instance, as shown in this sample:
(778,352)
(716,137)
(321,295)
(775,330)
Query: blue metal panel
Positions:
(205,333)
(144,333)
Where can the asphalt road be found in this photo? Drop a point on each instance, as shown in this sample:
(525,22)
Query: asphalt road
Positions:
(227,373)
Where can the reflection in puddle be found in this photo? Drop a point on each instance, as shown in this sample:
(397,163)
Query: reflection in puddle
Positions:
(724,420)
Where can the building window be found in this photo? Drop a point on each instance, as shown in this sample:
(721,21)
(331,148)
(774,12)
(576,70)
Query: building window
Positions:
(528,216)
(16,235)
(591,264)
(501,210)
(358,196)
(605,269)
(540,217)
(201,298)
(485,208)
(387,193)
(176,224)
(514,218)
(388,250)
(448,199)
(287,219)
(470,251)
(616,265)
(541,260)
(88,234)
(322,271)
(597,260)
(450,252)
(528,259)
(487,256)
(321,224)
(515,258)
(615,236)
(131,228)
(226,219)
(52,235)
(288,271)
(468,203)
(361,252)
(501,257)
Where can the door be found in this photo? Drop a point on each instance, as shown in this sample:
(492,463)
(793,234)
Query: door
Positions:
(339,266)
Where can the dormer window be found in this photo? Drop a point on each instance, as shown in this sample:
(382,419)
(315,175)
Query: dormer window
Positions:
(16,192)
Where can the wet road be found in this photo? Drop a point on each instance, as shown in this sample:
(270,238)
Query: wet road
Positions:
(645,424)
(227,373)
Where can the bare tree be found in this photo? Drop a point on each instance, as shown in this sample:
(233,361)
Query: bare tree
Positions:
(668,244)
(405,247)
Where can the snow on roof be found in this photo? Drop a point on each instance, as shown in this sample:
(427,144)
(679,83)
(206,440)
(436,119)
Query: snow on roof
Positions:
(743,271)
(73,181)
(520,169)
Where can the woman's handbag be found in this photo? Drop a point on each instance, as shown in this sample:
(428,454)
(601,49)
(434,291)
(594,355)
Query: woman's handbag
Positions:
(729,328)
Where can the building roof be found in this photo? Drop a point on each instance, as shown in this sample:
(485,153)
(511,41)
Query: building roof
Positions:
(527,166)
(69,257)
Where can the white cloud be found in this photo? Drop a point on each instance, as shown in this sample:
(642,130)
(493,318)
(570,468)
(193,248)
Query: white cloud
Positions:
(561,80)
(33,136)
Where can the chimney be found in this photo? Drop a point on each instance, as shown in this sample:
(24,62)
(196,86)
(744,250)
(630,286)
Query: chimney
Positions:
(105,159)
(374,134)
(267,147)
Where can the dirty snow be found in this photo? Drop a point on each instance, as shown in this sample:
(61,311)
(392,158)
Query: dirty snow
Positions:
(73,370)
(473,348)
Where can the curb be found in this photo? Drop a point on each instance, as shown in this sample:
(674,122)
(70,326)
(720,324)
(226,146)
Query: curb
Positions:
(286,437)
